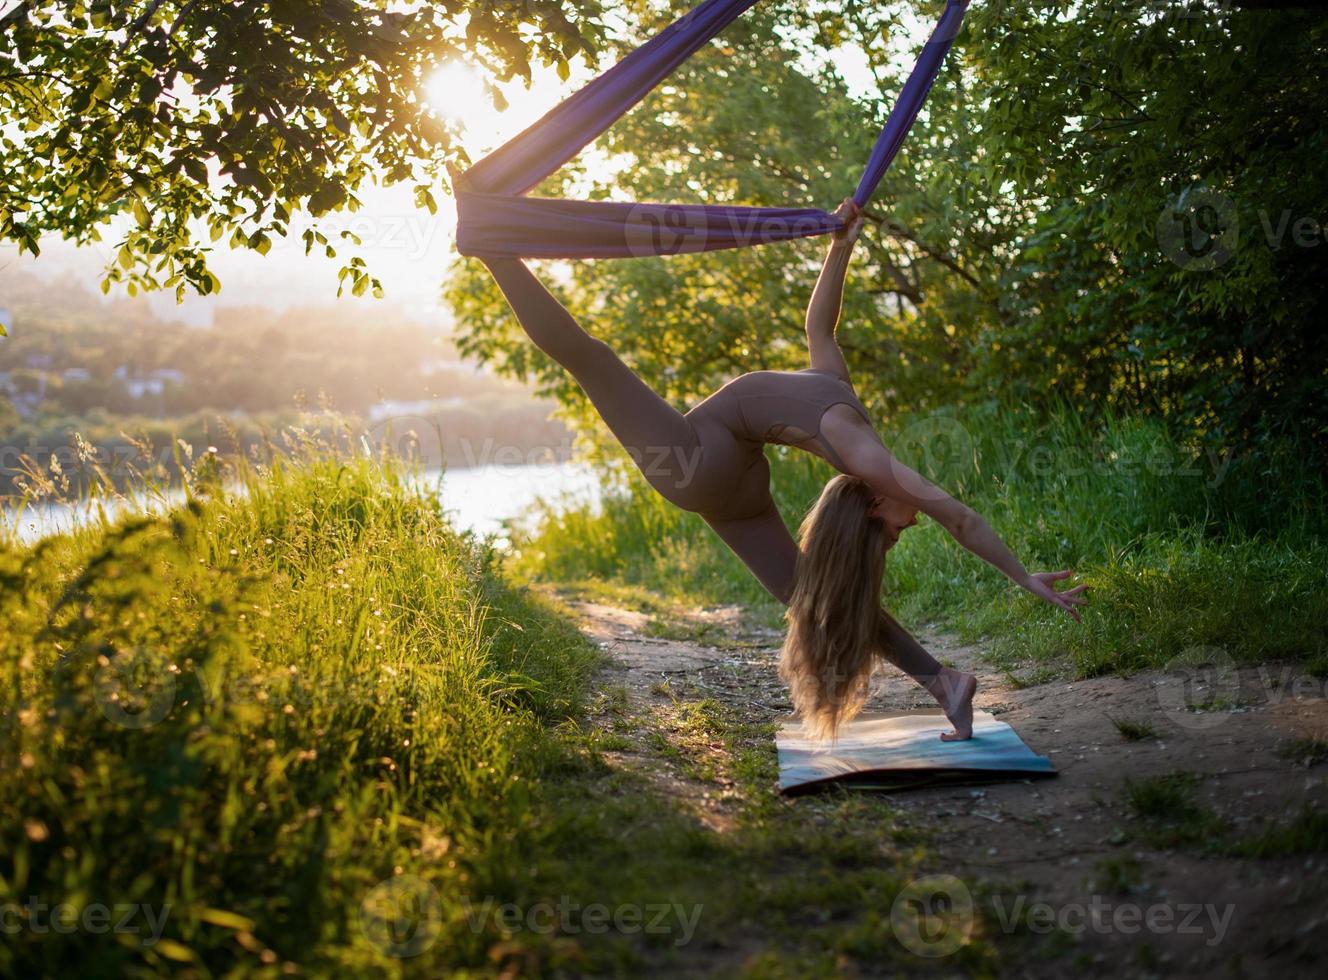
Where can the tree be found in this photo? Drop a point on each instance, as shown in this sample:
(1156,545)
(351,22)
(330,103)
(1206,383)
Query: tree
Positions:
(1099,204)
(751,119)
(237,115)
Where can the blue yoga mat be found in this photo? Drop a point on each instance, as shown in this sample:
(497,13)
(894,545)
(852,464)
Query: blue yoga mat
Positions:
(902,750)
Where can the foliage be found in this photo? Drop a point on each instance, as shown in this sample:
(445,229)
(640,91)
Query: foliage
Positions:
(1020,241)
(259,716)
(1179,548)
(250,710)
(235,116)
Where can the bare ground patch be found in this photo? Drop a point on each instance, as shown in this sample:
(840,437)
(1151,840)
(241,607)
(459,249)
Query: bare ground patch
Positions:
(1127,887)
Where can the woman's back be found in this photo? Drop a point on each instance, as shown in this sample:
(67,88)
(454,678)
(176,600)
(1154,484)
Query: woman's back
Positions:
(780,407)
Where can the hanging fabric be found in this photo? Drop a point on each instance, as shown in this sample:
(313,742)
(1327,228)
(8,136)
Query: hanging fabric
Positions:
(496,219)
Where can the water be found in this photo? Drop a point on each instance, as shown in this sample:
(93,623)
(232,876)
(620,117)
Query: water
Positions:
(479,498)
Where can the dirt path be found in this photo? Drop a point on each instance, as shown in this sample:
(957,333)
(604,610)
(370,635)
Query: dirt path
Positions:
(1130,900)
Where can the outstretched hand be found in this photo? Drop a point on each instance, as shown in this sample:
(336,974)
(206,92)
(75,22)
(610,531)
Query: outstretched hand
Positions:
(851,215)
(1041,585)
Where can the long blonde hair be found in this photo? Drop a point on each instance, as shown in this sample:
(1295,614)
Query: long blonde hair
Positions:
(834,611)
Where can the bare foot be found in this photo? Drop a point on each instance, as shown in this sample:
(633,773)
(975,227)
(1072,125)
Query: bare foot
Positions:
(955,692)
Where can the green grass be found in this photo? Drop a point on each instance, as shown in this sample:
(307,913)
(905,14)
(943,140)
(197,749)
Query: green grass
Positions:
(1306,751)
(1180,548)
(1133,730)
(310,720)
(1169,815)
(1305,833)
(256,709)
(1118,876)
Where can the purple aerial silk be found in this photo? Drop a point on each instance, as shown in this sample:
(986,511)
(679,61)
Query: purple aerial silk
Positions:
(495,219)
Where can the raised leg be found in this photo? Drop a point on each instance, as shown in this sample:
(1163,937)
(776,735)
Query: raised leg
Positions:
(659,439)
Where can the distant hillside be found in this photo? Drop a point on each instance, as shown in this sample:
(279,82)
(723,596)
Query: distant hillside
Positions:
(76,366)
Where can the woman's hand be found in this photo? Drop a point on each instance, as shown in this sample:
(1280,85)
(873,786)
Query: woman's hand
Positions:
(1040,584)
(851,214)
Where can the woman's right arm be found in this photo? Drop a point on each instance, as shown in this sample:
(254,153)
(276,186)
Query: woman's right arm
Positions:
(828,294)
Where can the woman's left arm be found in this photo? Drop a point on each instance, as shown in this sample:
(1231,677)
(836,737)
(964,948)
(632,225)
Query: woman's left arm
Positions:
(971,530)
(887,475)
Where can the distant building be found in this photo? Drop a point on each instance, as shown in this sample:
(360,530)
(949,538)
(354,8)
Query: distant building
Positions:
(153,383)
(25,393)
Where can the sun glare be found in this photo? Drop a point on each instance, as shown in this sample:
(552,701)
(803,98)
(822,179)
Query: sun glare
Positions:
(456,92)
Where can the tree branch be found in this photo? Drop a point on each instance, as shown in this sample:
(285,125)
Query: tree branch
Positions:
(896,230)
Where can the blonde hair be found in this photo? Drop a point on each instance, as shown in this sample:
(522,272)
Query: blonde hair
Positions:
(834,611)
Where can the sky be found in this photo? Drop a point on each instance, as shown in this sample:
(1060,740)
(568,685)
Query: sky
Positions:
(408,249)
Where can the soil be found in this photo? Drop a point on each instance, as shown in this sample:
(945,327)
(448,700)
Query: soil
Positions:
(1049,841)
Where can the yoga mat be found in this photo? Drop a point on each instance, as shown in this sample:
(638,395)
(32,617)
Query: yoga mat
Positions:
(903,750)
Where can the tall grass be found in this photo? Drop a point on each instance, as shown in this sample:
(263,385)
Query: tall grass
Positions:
(1180,546)
(249,712)
(303,727)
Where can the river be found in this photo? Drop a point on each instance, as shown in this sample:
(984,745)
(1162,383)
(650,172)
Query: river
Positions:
(477,498)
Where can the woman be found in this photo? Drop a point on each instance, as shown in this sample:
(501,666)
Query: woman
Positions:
(710,461)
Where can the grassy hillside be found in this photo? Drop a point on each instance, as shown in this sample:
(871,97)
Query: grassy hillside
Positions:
(1180,547)
(311,730)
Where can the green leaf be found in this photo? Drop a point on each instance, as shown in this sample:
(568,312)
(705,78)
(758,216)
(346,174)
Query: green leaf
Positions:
(173,950)
(227,920)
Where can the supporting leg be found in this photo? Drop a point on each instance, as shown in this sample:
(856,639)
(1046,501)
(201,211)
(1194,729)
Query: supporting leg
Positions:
(764,544)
